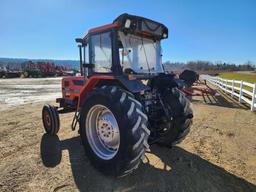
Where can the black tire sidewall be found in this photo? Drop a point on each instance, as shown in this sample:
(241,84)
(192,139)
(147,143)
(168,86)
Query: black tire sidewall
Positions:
(53,128)
(48,129)
(181,109)
(115,165)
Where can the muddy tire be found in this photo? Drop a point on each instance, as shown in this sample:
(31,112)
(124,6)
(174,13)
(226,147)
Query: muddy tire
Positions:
(182,116)
(51,121)
(119,151)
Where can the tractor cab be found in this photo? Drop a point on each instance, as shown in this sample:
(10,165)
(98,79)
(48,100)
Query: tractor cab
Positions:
(130,45)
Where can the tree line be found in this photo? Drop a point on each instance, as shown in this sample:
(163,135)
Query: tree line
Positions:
(208,66)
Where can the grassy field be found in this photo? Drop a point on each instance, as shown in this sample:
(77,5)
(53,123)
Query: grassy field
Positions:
(249,77)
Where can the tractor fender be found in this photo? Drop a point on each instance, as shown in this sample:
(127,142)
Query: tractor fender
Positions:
(89,85)
(131,85)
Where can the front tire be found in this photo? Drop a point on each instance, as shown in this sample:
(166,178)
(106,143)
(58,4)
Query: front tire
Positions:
(51,121)
(128,144)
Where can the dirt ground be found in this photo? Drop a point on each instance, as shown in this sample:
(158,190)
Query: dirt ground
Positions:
(219,154)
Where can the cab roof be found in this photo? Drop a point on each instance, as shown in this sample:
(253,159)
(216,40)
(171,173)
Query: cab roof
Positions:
(135,25)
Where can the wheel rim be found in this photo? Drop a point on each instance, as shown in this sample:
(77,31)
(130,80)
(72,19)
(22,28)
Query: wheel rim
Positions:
(47,119)
(102,132)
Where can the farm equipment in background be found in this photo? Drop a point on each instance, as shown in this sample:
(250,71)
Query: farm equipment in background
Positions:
(189,77)
(47,69)
(42,69)
(33,69)
(5,72)
(190,84)
(124,101)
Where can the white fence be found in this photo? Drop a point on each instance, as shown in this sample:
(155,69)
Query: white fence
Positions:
(236,89)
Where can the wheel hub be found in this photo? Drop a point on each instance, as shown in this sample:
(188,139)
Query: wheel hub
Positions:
(102,131)
(105,131)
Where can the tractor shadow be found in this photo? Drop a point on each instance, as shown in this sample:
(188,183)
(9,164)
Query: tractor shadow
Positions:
(163,170)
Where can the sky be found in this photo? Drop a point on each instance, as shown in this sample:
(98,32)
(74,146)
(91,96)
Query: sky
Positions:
(213,30)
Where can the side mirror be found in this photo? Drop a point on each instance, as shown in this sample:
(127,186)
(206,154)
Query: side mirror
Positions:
(79,40)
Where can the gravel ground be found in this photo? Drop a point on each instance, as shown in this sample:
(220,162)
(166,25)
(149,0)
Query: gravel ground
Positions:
(15,92)
(219,154)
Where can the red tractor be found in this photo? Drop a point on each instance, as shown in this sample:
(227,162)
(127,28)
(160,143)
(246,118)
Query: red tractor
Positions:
(123,100)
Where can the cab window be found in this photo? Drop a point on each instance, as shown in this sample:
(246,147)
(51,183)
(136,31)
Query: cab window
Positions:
(101,52)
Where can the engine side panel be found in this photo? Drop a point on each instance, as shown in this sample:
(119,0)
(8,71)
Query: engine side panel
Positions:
(71,87)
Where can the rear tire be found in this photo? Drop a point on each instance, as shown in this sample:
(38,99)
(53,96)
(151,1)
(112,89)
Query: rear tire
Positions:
(132,125)
(182,119)
(51,121)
